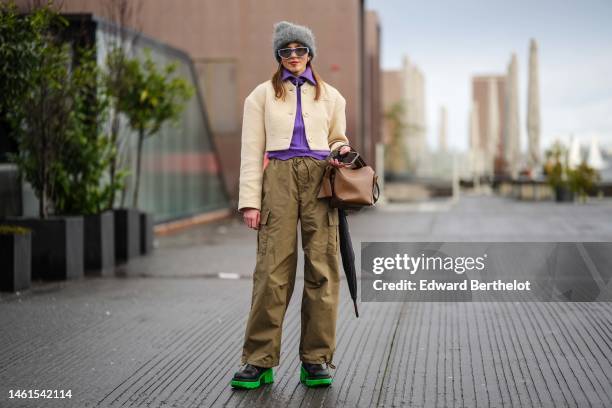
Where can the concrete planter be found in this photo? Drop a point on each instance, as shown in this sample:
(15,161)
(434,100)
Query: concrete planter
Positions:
(564,194)
(57,246)
(99,244)
(15,261)
(146,233)
(127,234)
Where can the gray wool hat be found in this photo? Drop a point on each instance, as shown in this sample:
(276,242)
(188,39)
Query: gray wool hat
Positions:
(286,32)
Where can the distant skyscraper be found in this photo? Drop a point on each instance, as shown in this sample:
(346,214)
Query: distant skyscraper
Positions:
(442,141)
(476,151)
(474,127)
(511,143)
(493,128)
(489,93)
(533,107)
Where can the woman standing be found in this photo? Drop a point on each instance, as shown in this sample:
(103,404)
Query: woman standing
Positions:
(297,119)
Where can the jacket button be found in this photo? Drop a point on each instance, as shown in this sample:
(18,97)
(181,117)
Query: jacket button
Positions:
(305,113)
(290,113)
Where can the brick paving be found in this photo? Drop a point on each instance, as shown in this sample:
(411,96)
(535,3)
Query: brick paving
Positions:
(166,331)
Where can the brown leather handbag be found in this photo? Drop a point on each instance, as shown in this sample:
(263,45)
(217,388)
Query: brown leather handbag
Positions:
(351,187)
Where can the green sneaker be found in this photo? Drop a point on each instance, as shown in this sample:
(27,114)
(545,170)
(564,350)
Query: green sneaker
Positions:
(251,376)
(315,375)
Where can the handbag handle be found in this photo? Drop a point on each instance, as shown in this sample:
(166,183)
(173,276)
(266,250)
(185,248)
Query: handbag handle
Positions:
(357,162)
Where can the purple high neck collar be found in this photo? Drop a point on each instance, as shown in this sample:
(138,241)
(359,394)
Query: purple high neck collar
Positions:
(307,74)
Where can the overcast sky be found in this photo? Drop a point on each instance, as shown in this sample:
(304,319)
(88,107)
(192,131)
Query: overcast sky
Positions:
(453,40)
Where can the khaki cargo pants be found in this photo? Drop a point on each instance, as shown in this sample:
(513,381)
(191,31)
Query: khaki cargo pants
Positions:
(290,189)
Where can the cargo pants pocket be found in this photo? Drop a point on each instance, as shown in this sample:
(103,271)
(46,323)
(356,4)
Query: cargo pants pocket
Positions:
(332,240)
(262,232)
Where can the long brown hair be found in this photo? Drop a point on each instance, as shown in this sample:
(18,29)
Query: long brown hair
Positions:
(277,81)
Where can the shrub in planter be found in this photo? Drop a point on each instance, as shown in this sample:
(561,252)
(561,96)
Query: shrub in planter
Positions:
(148,98)
(79,188)
(58,104)
(582,180)
(15,258)
(43,120)
(556,170)
(563,194)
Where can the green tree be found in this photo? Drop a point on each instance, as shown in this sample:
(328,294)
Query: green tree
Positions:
(396,155)
(122,12)
(150,97)
(115,84)
(81,188)
(41,107)
(21,42)
(582,180)
(556,167)
(55,103)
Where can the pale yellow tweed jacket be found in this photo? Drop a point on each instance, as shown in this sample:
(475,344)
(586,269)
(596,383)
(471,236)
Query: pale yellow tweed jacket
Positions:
(268,122)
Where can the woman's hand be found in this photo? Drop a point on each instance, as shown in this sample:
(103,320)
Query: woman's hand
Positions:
(251,217)
(337,163)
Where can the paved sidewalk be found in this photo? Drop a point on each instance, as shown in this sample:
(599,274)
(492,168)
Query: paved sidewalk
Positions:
(167,331)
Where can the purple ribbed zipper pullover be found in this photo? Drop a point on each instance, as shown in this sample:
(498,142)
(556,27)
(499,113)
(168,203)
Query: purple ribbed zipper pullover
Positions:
(299,145)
